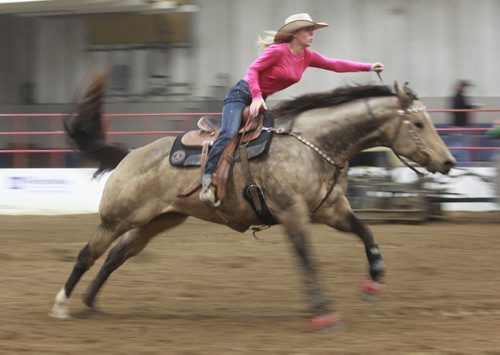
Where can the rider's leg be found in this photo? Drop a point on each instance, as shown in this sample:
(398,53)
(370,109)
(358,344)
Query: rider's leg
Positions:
(231,119)
(236,100)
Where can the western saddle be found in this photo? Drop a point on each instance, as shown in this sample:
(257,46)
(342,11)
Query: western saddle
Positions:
(209,129)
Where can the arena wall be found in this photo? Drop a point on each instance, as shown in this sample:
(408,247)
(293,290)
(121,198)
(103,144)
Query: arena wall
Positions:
(73,191)
(430,43)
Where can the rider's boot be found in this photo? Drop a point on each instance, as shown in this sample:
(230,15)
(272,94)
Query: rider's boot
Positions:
(207,194)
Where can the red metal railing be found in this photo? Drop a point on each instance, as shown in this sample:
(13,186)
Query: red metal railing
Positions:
(21,150)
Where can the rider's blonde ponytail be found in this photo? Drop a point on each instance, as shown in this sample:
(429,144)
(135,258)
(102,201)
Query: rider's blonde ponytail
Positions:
(272,37)
(264,42)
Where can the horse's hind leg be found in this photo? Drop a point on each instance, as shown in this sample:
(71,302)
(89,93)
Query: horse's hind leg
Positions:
(129,245)
(97,245)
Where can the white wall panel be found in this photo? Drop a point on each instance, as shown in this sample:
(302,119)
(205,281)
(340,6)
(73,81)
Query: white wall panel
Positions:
(430,43)
(60,58)
(16,58)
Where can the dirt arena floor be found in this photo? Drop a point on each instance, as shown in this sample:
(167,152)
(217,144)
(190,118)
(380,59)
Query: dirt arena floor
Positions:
(203,289)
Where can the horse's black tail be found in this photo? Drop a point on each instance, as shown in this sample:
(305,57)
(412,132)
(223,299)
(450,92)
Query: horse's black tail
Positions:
(87,130)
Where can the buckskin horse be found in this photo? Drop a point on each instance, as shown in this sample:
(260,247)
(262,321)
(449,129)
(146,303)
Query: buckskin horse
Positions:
(300,175)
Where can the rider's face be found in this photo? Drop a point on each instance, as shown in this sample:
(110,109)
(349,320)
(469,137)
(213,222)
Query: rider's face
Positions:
(305,36)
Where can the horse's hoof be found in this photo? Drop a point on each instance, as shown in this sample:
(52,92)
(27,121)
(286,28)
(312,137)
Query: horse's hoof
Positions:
(90,307)
(60,309)
(326,321)
(370,289)
(59,313)
(87,301)
(94,310)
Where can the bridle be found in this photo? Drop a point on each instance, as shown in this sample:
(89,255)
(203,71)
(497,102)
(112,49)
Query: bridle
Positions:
(403,122)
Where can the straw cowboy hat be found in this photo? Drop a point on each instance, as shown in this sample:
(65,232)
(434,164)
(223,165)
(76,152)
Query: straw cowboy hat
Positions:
(296,22)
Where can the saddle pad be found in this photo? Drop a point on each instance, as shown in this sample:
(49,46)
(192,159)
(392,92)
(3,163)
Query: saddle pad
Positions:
(182,155)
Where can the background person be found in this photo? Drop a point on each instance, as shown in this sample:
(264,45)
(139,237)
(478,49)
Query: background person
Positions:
(459,102)
(458,139)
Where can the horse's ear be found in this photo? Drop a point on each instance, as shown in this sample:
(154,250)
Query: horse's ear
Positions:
(410,92)
(404,98)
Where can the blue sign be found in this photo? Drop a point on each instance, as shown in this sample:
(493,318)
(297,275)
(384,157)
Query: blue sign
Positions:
(37,184)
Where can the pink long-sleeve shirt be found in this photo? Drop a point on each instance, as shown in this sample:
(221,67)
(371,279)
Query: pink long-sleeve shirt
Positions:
(278,68)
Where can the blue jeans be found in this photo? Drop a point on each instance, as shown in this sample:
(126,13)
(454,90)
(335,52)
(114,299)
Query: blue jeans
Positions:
(236,100)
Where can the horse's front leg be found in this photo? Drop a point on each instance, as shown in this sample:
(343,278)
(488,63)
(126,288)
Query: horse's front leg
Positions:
(317,300)
(323,316)
(342,218)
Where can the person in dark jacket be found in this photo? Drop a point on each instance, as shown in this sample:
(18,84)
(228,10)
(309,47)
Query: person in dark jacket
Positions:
(460,101)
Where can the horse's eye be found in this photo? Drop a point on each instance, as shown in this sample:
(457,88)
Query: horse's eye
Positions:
(419,125)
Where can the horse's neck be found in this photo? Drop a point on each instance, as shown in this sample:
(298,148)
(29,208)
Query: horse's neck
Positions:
(345,130)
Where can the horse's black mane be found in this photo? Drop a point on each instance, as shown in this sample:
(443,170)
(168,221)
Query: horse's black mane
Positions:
(336,97)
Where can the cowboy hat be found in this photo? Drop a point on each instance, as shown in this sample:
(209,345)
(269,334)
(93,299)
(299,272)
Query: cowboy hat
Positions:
(296,22)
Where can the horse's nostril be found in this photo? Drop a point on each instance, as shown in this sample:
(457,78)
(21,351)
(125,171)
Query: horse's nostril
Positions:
(449,164)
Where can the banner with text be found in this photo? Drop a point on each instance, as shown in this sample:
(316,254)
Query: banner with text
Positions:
(71,191)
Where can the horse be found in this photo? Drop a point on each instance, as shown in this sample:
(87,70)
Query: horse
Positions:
(303,177)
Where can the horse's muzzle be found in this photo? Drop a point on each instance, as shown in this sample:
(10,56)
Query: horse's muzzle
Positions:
(447,165)
(444,168)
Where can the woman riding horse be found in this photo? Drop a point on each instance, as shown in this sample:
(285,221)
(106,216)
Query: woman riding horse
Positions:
(282,64)
(298,176)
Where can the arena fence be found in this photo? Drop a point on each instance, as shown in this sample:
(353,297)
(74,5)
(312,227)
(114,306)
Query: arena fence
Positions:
(37,139)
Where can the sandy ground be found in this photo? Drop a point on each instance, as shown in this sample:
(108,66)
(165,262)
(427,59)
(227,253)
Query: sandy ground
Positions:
(203,289)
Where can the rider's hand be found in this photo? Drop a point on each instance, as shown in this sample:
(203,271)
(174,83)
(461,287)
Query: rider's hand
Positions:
(257,106)
(377,67)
